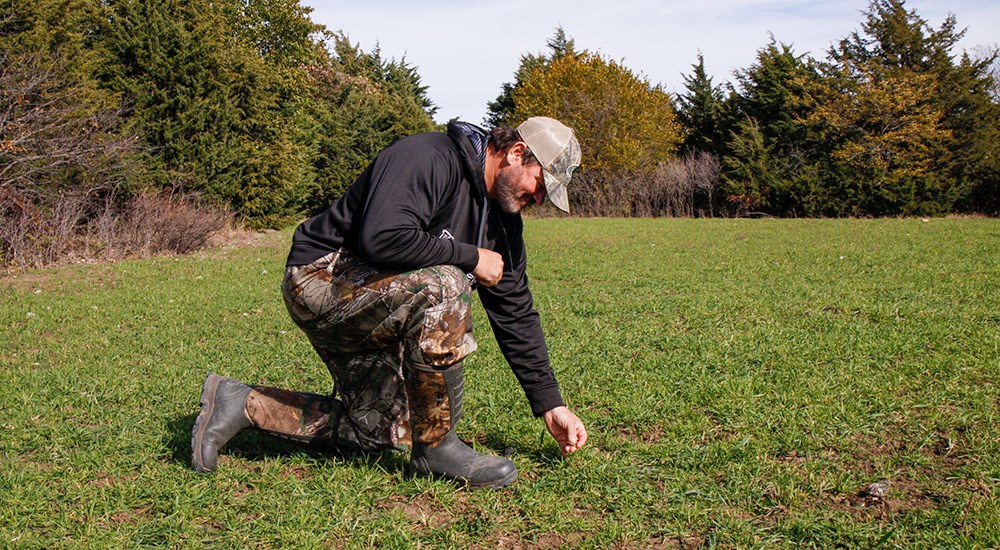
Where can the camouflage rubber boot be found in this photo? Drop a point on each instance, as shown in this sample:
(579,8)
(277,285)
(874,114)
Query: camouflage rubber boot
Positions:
(304,417)
(228,406)
(223,413)
(435,399)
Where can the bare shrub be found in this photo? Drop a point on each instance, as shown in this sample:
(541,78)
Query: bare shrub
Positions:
(155,223)
(33,234)
(54,134)
(686,186)
(82,227)
(602,193)
(704,170)
(65,164)
(668,192)
(683,187)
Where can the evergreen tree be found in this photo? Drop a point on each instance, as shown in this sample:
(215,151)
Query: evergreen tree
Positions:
(772,89)
(701,111)
(972,113)
(771,98)
(280,31)
(896,38)
(362,103)
(60,133)
(895,48)
(750,176)
(215,98)
(237,101)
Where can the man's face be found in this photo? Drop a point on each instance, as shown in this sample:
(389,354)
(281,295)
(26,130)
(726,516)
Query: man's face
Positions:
(519,186)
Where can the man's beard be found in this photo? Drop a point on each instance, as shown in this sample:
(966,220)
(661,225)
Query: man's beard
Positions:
(506,190)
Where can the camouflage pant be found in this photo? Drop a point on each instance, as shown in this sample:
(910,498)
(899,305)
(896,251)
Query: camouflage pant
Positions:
(368,325)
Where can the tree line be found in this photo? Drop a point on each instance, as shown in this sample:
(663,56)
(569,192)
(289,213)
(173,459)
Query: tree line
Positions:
(891,122)
(126,124)
(116,115)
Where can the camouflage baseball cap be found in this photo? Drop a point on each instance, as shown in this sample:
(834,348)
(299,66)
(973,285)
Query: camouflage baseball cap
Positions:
(556,148)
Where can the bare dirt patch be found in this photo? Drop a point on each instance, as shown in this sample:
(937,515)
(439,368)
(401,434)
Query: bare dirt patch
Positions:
(234,237)
(648,435)
(688,543)
(684,542)
(298,472)
(907,490)
(544,541)
(903,496)
(131,516)
(104,479)
(425,511)
(243,490)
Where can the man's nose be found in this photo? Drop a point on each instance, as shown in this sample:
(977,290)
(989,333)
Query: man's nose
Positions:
(540,195)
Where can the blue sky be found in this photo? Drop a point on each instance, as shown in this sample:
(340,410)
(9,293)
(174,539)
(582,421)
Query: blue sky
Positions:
(464,51)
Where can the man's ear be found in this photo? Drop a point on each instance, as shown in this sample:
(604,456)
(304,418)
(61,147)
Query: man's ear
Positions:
(515,153)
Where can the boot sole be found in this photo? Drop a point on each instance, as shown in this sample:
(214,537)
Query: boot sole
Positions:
(201,423)
(497,484)
(501,483)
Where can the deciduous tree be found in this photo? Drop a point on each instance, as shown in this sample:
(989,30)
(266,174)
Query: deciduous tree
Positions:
(888,143)
(500,111)
(622,121)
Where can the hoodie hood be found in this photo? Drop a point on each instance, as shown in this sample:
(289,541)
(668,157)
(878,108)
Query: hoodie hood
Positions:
(471,141)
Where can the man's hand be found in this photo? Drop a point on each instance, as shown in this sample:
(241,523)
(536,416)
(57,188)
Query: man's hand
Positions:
(489,269)
(566,428)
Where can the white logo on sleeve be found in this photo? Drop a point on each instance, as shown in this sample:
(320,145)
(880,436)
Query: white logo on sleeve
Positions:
(445,234)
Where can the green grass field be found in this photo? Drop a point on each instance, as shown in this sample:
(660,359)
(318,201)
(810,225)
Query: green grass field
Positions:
(742,382)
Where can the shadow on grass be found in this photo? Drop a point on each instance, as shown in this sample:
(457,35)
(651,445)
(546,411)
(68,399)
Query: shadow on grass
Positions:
(178,438)
(546,453)
(257,446)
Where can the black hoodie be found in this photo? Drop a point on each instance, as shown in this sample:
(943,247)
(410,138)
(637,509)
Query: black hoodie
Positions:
(422,202)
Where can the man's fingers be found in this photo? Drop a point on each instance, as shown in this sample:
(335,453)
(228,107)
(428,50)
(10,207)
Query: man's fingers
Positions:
(567,429)
(571,436)
(489,269)
(576,437)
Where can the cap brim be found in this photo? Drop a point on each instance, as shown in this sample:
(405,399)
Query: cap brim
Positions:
(555,190)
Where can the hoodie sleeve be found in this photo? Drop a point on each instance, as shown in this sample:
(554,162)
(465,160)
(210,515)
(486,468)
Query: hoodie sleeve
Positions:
(410,182)
(517,325)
